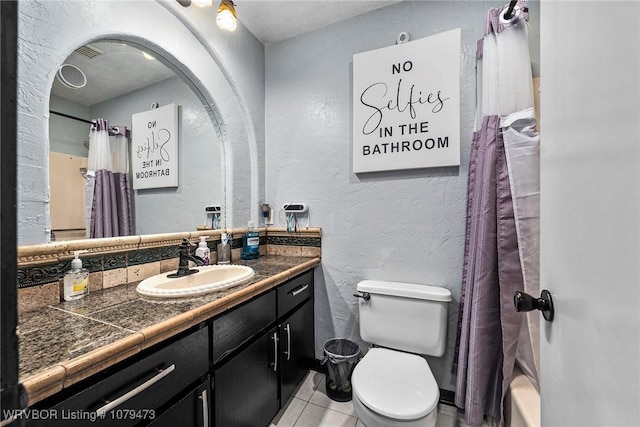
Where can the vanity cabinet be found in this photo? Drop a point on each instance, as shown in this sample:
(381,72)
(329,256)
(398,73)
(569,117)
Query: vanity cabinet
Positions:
(262,350)
(133,392)
(235,370)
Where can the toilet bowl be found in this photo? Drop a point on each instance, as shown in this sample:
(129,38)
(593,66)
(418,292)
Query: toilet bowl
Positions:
(394,389)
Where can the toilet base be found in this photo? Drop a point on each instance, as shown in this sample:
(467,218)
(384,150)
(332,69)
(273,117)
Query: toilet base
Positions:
(372,419)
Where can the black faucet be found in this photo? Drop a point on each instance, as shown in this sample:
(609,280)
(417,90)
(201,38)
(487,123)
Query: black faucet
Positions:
(185,257)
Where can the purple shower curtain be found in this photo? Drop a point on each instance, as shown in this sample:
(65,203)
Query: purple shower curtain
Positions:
(109,189)
(489,326)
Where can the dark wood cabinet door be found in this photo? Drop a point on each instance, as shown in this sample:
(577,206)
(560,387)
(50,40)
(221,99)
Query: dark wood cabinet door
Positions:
(297,349)
(193,410)
(245,388)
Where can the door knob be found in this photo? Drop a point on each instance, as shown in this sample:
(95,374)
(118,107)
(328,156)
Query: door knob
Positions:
(525,302)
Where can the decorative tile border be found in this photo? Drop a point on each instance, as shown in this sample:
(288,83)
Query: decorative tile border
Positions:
(113,261)
(143,256)
(306,237)
(39,275)
(294,241)
(169,252)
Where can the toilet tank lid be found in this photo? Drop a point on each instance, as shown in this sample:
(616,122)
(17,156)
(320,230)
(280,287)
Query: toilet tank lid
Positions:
(409,290)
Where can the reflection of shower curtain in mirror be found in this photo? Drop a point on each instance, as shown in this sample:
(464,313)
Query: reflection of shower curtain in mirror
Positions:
(108,184)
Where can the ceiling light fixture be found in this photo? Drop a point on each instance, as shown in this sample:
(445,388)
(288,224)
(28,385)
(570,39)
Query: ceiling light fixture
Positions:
(202,3)
(227,18)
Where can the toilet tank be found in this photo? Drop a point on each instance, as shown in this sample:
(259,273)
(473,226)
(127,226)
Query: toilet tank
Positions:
(404,316)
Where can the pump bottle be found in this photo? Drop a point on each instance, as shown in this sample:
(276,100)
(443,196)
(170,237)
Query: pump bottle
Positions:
(76,280)
(203,250)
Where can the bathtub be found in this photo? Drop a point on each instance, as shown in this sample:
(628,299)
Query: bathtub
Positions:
(522,403)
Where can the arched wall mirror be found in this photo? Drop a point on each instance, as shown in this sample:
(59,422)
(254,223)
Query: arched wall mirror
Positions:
(226,172)
(123,79)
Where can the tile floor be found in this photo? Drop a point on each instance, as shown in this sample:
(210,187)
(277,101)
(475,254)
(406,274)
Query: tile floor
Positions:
(310,407)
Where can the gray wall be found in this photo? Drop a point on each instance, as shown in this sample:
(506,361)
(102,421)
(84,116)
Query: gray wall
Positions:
(402,226)
(165,210)
(67,135)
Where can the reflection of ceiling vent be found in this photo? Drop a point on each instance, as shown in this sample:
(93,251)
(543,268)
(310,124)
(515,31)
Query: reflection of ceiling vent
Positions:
(89,51)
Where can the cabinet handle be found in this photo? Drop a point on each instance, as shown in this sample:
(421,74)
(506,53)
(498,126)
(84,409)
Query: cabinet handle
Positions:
(205,408)
(119,401)
(288,352)
(8,421)
(275,351)
(299,290)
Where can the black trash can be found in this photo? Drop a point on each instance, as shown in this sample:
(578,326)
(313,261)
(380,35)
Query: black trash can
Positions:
(341,356)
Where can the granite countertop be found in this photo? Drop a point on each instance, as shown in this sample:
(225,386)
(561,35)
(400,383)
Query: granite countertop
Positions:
(62,344)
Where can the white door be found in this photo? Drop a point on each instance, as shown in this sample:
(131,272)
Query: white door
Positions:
(590,212)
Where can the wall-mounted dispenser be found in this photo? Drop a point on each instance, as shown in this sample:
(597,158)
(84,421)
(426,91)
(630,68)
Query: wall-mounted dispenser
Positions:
(292,210)
(267,214)
(213,216)
(294,207)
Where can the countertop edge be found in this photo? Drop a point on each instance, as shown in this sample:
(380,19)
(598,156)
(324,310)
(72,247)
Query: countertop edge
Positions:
(53,380)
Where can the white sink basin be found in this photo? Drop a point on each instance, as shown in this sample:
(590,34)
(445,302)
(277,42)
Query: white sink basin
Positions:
(208,279)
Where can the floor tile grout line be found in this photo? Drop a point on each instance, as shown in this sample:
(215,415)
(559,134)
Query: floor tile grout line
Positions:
(301,412)
(324,408)
(332,410)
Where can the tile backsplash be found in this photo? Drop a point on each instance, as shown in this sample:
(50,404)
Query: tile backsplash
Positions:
(122,260)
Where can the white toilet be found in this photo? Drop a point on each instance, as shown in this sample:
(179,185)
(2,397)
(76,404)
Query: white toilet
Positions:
(393,385)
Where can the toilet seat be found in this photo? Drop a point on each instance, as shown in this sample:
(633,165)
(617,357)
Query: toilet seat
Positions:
(396,385)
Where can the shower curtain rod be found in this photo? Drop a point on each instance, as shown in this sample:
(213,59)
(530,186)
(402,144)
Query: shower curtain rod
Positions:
(115,130)
(71,117)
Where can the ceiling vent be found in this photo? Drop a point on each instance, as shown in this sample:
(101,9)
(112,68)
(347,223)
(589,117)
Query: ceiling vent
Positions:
(89,51)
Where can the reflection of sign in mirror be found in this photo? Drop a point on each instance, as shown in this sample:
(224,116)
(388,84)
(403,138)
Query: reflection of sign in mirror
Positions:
(406,105)
(154,148)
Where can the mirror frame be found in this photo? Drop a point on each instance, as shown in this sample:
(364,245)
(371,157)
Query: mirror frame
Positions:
(45,44)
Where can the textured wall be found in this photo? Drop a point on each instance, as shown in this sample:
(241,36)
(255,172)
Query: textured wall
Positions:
(402,226)
(226,69)
(199,156)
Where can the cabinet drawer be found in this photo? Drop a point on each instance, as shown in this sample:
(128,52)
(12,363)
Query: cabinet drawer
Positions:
(235,327)
(294,292)
(140,388)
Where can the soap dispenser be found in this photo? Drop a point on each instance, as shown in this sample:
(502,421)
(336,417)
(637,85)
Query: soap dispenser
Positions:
(250,243)
(203,250)
(76,280)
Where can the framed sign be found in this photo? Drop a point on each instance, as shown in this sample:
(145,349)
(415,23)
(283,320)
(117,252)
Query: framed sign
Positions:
(406,105)
(154,148)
